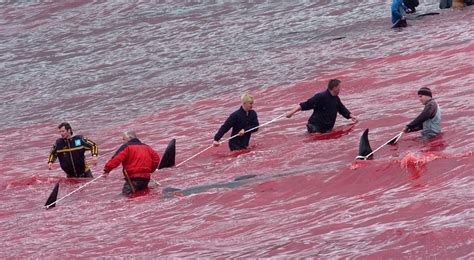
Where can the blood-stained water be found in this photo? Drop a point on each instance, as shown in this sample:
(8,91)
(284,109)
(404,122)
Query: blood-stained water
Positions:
(177,70)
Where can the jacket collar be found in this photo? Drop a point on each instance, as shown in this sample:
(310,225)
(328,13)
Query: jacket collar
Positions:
(134,141)
(243,110)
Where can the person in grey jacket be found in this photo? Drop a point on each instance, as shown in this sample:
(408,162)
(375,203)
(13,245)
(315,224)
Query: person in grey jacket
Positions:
(429,120)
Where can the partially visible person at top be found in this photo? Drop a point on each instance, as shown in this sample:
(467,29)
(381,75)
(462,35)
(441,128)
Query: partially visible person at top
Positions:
(241,120)
(455,3)
(411,4)
(398,10)
(325,106)
(429,120)
(70,149)
(443,4)
(468,2)
(138,160)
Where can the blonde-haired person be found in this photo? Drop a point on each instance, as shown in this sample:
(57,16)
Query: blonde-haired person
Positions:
(246,98)
(243,119)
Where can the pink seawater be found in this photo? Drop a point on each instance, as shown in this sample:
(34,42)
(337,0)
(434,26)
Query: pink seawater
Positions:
(177,69)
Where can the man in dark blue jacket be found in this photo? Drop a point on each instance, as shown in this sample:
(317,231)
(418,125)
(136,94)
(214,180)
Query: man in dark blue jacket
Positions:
(240,121)
(398,10)
(325,106)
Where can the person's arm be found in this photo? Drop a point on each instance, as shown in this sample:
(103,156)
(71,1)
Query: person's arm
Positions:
(116,160)
(228,124)
(395,9)
(52,156)
(341,109)
(404,6)
(155,160)
(293,111)
(417,124)
(307,105)
(92,146)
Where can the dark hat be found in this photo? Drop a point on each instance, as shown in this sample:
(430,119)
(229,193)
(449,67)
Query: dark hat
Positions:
(425,92)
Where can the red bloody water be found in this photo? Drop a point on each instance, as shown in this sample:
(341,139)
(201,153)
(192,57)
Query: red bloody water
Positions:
(172,70)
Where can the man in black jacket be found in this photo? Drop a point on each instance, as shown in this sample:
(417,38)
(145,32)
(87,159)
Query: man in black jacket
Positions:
(325,106)
(243,119)
(70,151)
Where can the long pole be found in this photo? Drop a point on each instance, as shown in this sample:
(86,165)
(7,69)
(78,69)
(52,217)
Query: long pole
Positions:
(74,191)
(129,180)
(246,131)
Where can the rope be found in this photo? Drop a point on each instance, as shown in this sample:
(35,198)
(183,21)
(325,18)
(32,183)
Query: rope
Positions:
(246,131)
(74,191)
(394,139)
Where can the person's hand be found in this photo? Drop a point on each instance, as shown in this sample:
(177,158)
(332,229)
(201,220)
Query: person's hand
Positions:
(406,130)
(105,174)
(293,111)
(50,166)
(354,119)
(216,143)
(94,160)
(241,132)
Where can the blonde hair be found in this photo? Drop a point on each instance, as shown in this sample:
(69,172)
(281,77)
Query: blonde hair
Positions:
(246,98)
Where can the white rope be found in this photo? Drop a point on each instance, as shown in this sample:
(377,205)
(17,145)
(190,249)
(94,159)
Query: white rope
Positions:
(397,137)
(156,182)
(246,131)
(74,191)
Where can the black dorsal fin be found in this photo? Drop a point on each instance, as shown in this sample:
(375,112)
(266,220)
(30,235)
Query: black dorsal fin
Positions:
(51,202)
(168,158)
(364,146)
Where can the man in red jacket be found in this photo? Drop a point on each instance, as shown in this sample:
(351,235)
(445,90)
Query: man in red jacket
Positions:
(139,161)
